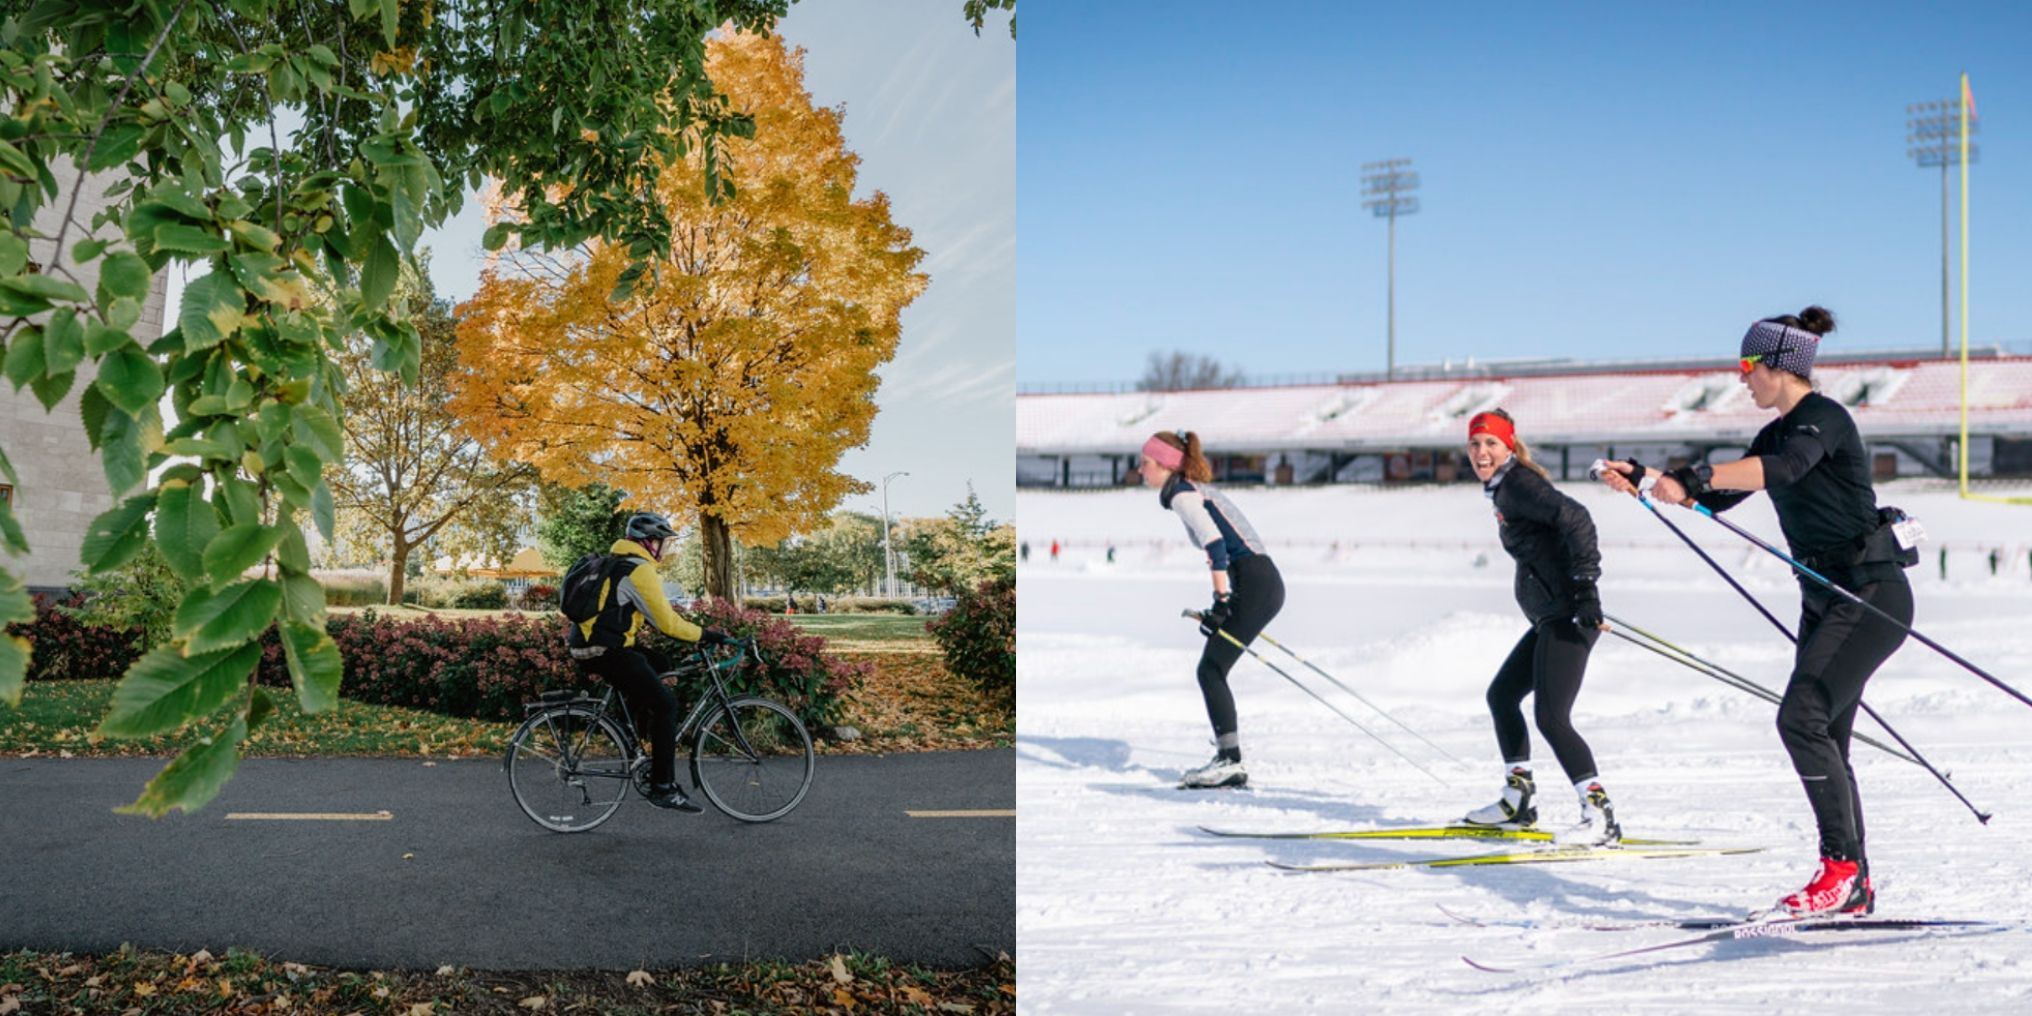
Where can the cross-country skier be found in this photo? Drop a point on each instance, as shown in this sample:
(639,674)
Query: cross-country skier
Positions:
(1553,540)
(1813,462)
(1248,591)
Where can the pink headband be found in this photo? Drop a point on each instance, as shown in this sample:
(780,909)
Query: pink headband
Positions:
(1161,452)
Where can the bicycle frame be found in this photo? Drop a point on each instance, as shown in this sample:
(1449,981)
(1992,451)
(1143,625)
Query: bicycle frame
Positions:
(689,728)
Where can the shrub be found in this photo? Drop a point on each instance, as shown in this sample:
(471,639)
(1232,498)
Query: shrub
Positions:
(62,647)
(354,589)
(480,594)
(539,597)
(869,605)
(979,637)
(799,674)
(767,604)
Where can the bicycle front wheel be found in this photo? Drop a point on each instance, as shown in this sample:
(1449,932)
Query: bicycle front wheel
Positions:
(569,768)
(753,759)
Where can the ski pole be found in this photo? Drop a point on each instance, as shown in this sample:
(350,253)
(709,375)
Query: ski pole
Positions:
(1981,816)
(1238,643)
(1358,697)
(1722,674)
(1859,601)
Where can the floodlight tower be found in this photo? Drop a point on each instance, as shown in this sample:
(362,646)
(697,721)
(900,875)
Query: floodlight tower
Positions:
(1387,185)
(1932,137)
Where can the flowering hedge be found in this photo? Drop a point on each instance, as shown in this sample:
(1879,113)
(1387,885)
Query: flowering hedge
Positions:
(477,667)
(979,636)
(799,673)
(61,647)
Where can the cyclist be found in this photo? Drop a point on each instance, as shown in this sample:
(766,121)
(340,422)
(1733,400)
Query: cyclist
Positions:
(605,646)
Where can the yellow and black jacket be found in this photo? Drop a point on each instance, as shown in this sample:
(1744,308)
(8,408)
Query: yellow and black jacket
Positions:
(630,594)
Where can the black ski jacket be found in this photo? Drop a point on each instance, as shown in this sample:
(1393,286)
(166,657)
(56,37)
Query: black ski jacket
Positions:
(1551,537)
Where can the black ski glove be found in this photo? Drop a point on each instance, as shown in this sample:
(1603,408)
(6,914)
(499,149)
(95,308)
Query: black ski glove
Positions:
(1217,615)
(714,637)
(1587,604)
(1693,479)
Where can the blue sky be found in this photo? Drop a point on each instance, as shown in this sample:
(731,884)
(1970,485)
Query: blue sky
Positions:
(931,110)
(1598,180)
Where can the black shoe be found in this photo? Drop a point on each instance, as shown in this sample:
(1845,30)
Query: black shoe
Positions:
(671,796)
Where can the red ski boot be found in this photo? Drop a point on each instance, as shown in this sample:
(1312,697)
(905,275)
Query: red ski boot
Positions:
(1838,888)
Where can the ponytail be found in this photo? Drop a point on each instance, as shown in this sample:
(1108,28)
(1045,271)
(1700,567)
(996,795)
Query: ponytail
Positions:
(1194,466)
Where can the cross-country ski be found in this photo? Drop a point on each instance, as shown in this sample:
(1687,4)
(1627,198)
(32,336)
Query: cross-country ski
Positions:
(1554,855)
(1441,832)
(1788,927)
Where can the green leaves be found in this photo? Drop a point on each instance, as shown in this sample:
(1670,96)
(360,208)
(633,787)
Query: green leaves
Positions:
(130,379)
(125,275)
(116,536)
(314,665)
(165,689)
(195,777)
(377,278)
(214,307)
(233,615)
(184,526)
(237,549)
(14,606)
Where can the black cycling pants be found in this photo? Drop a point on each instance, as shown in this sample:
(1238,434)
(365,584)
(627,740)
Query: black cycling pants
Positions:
(1840,646)
(1548,663)
(633,672)
(1257,595)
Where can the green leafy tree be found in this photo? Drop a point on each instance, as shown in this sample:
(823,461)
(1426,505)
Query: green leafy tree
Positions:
(976,12)
(294,243)
(574,522)
(143,593)
(962,550)
(410,476)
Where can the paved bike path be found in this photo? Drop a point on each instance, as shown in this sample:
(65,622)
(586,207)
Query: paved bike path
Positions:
(459,875)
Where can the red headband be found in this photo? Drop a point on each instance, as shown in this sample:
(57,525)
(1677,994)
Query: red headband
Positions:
(1490,423)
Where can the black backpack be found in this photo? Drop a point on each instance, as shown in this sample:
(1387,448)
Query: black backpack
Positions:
(579,596)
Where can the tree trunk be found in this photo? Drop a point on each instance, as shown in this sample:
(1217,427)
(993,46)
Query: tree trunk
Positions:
(716,543)
(398,574)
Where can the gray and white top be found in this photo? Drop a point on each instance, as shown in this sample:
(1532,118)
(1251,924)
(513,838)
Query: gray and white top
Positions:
(1212,521)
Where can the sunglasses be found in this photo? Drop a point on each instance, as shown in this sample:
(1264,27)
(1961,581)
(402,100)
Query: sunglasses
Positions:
(1749,362)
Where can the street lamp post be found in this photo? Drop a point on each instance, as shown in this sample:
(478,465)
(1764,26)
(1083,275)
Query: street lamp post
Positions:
(888,559)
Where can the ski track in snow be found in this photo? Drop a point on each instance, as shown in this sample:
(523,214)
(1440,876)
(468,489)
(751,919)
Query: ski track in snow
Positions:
(1123,906)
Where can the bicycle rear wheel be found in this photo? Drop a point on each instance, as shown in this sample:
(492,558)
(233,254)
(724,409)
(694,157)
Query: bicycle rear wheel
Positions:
(569,768)
(753,759)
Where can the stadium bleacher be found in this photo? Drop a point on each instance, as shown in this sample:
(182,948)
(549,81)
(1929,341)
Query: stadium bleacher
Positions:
(1909,409)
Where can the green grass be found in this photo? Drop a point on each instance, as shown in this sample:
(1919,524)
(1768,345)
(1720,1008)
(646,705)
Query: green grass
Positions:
(57,717)
(893,628)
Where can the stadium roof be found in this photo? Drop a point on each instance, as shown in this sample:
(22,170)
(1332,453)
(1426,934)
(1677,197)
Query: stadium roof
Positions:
(1891,398)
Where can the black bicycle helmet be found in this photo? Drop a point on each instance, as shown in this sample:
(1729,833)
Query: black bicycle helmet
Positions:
(648,526)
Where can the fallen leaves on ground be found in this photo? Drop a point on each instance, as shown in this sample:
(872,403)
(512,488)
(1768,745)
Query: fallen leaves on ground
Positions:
(132,981)
(912,703)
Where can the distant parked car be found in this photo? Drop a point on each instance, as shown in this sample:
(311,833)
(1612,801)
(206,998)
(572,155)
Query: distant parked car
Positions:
(934,604)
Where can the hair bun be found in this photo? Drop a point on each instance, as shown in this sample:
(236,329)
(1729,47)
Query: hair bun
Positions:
(1816,319)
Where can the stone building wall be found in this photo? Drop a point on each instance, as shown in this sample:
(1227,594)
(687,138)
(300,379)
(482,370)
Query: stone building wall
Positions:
(62,485)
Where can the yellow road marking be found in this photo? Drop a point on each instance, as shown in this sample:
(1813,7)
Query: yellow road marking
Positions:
(987,813)
(312,816)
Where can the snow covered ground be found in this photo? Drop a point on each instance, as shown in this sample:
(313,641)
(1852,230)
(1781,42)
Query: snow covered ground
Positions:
(1123,907)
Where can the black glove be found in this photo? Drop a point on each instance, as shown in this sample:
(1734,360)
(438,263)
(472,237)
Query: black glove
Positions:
(1587,604)
(1694,479)
(715,637)
(1217,615)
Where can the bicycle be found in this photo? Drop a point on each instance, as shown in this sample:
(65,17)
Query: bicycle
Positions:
(572,761)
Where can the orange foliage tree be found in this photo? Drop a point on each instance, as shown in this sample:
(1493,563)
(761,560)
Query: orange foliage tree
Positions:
(727,386)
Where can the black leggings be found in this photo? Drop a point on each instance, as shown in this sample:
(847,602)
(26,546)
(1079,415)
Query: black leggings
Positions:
(1840,646)
(1549,662)
(1258,595)
(633,672)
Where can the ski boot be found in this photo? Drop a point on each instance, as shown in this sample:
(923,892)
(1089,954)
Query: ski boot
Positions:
(1838,888)
(1513,808)
(1597,826)
(1220,772)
